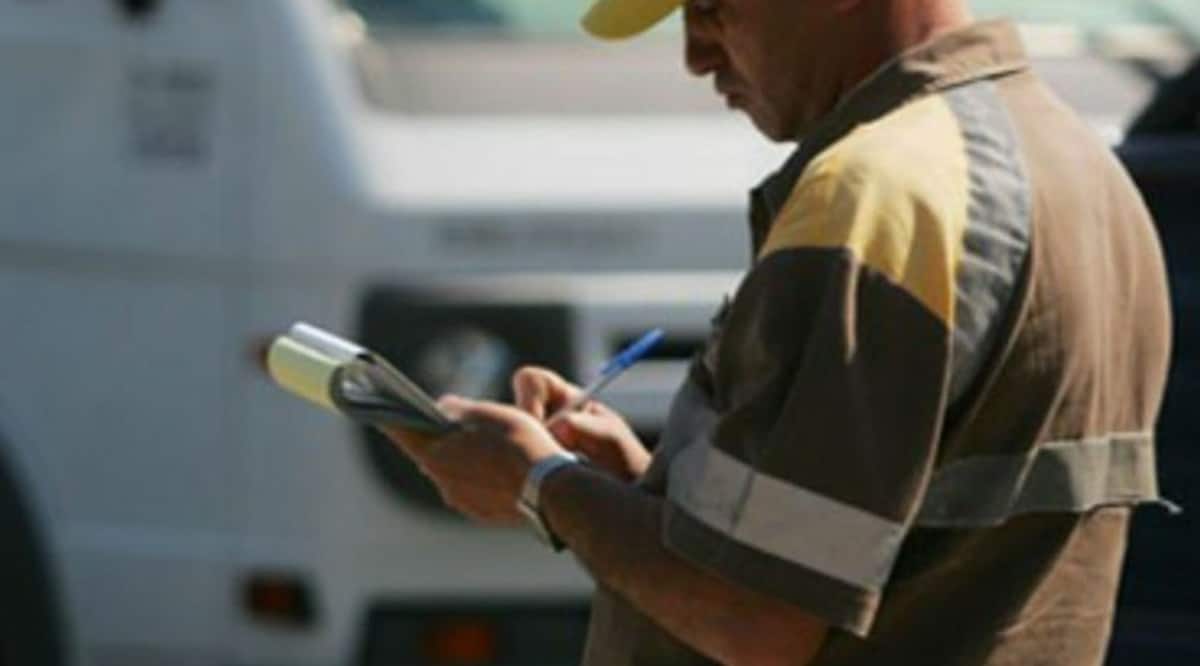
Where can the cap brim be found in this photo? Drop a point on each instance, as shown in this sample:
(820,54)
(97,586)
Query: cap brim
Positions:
(618,19)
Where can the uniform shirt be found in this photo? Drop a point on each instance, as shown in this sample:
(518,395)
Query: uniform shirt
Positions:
(928,408)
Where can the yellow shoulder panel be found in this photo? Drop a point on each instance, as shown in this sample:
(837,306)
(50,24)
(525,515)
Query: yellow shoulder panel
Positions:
(894,193)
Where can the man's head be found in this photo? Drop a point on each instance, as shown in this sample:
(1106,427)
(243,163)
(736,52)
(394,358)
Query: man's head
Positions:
(784,62)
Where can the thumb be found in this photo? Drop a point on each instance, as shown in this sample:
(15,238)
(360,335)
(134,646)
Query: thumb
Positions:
(453,406)
(482,412)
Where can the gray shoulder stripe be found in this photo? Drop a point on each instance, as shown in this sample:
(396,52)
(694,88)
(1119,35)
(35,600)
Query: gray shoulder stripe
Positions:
(996,240)
(1067,476)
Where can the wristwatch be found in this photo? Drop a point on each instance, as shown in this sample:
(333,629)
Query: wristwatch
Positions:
(529,503)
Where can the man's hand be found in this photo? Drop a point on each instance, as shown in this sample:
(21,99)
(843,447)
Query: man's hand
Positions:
(595,431)
(480,469)
(613,527)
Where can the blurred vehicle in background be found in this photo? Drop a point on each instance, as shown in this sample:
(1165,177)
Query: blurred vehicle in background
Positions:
(463,185)
(1159,616)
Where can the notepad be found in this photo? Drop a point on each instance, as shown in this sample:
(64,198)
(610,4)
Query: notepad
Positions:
(343,377)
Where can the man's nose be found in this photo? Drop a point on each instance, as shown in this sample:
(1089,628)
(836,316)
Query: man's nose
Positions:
(702,49)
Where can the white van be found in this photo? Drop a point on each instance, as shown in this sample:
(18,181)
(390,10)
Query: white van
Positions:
(179,179)
(440,180)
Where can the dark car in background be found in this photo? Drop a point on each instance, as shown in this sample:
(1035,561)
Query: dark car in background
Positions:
(1158,620)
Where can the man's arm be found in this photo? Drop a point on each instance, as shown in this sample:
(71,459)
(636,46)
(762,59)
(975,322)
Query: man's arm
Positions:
(615,530)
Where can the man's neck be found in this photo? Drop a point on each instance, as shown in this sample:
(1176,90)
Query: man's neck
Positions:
(899,26)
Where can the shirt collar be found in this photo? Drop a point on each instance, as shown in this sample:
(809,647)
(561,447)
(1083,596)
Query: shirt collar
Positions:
(989,49)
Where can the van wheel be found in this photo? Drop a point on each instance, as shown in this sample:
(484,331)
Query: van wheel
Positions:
(28,609)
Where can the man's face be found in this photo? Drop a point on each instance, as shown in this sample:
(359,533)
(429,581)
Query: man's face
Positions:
(774,59)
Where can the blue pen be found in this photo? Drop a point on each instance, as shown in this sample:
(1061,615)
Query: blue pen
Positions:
(611,370)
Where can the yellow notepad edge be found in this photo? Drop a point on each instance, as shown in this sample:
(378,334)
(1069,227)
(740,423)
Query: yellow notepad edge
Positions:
(301,370)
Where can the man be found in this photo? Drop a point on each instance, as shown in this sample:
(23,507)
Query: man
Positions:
(917,430)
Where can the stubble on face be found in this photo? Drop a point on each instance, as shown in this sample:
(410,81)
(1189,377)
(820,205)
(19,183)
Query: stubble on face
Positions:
(778,60)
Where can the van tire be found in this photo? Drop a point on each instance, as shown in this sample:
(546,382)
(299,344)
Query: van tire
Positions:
(28,608)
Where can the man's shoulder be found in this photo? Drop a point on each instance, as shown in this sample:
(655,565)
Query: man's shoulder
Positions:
(937,184)
(904,151)
(892,195)
(908,167)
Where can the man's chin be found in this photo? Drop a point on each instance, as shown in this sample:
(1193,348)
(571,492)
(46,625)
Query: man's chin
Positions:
(771,130)
(764,122)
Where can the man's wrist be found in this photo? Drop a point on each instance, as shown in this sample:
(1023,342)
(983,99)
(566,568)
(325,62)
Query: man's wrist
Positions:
(560,492)
(532,500)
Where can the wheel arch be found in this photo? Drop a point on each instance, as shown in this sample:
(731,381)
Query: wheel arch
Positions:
(31,610)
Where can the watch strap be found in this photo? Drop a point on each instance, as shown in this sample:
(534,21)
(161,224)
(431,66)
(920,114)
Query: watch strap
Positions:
(529,503)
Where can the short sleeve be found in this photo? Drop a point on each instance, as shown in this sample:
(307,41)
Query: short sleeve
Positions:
(829,390)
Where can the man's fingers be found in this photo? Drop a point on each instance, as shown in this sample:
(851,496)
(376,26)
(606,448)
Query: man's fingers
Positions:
(531,390)
(495,414)
(574,427)
(422,448)
(541,392)
(453,406)
(484,413)
(412,442)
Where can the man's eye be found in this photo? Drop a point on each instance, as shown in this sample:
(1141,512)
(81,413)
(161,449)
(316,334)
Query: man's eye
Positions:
(703,6)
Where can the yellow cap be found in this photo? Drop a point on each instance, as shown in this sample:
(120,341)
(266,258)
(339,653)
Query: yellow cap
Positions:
(617,19)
